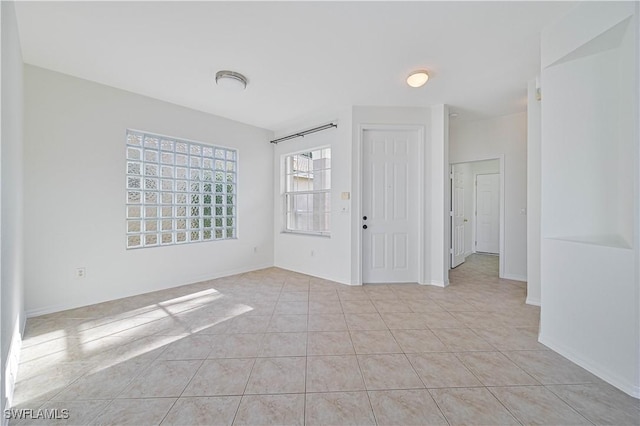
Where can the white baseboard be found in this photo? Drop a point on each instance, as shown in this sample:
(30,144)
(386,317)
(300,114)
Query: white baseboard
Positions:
(613,379)
(321,276)
(63,307)
(438,283)
(532,301)
(11,365)
(513,277)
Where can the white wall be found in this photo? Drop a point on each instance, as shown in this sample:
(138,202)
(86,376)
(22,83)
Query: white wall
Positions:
(440,198)
(338,258)
(324,257)
(75,194)
(11,146)
(534,201)
(492,138)
(590,221)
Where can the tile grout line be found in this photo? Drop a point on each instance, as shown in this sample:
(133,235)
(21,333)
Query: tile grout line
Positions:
(306,358)
(568,402)
(186,386)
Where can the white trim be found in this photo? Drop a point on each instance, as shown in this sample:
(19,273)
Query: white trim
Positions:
(513,277)
(11,365)
(435,283)
(66,306)
(532,301)
(420,129)
(622,383)
(322,277)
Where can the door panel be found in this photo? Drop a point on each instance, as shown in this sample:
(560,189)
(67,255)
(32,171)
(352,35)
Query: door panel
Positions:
(458,219)
(378,252)
(400,251)
(390,203)
(488,213)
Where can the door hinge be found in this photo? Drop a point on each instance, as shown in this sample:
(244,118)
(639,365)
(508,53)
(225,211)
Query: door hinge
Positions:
(450,251)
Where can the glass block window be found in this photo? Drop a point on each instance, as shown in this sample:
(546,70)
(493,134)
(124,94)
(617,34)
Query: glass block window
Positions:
(179,191)
(307,194)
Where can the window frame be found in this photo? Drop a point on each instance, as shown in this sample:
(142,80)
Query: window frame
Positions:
(179,197)
(286,194)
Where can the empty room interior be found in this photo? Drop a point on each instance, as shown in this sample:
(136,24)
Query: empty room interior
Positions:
(299,213)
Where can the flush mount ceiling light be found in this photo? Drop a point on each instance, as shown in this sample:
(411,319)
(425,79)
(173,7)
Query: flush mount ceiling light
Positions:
(417,78)
(231,80)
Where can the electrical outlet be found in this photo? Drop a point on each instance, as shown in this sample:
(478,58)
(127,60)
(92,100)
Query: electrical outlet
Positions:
(81,272)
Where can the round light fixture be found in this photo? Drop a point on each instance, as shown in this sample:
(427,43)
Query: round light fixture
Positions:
(231,80)
(417,78)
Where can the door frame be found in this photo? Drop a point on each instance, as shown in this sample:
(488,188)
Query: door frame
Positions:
(500,158)
(419,129)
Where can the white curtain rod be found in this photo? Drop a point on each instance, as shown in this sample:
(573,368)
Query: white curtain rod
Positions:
(305,132)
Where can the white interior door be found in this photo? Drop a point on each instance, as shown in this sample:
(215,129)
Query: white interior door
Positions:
(390,205)
(488,213)
(458,222)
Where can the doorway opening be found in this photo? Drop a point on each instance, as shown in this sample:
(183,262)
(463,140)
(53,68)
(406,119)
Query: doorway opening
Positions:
(477,212)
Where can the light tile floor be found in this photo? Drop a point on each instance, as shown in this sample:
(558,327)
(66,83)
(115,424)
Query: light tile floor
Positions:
(276,347)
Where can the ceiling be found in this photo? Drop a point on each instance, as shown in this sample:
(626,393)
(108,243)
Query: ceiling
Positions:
(301,58)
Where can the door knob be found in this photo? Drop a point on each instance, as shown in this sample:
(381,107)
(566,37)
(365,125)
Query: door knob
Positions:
(364,218)
(364,226)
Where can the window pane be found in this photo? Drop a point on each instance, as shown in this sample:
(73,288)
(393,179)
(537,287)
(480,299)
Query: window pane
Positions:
(134,168)
(307,187)
(151,211)
(133,226)
(166,145)
(134,139)
(133,211)
(151,142)
(133,241)
(133,154)
(167,158)
(150,239)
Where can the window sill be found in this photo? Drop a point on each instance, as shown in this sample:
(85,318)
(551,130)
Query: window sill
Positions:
(307,234)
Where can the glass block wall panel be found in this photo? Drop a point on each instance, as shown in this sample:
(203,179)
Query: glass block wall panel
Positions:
(307,192)
(178,191)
